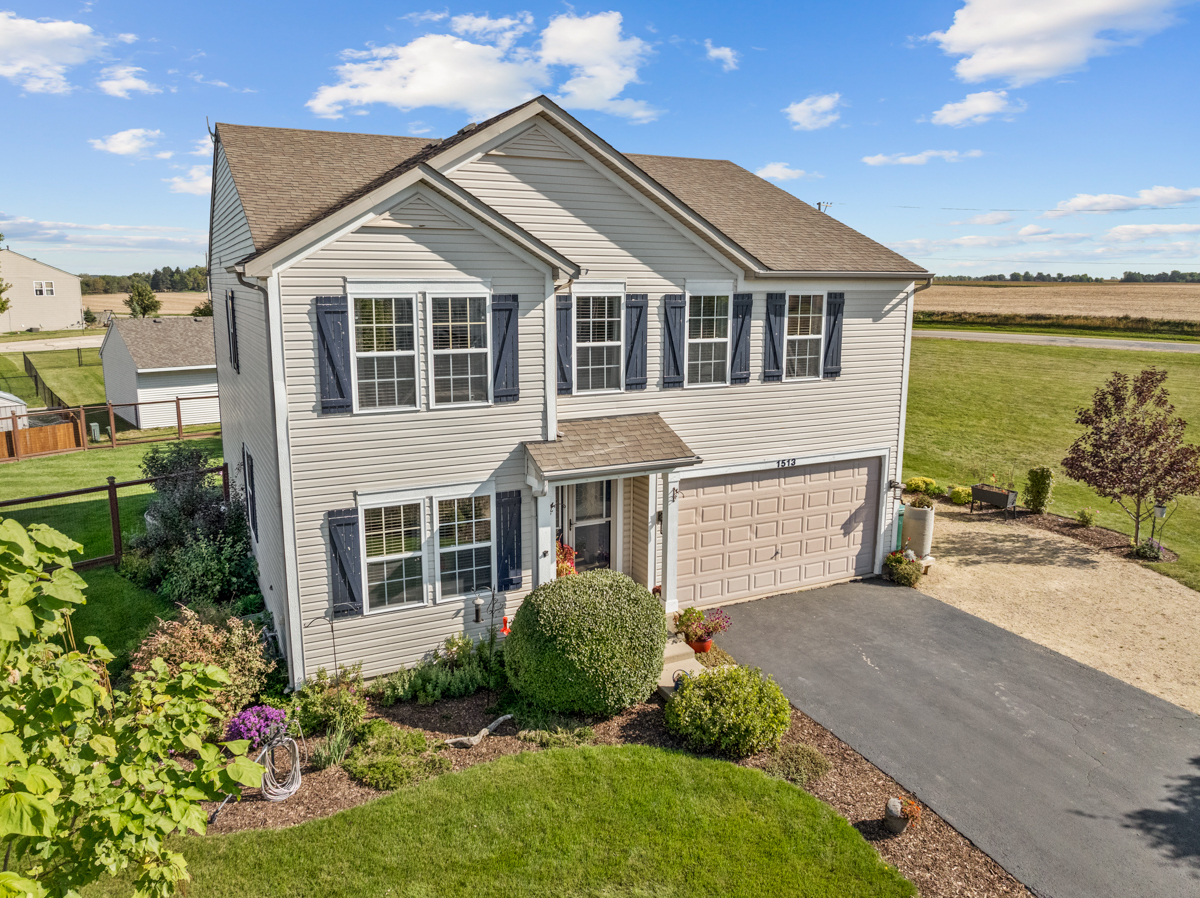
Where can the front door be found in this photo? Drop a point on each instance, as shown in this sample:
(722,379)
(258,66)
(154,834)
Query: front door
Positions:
(585,522)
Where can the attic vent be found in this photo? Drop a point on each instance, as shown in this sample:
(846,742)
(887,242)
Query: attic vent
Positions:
(156,320)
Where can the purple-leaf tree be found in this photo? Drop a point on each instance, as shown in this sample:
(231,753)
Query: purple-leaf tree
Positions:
(1132,450)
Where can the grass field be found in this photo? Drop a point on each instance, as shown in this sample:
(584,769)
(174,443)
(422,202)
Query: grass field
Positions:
(22,336)
(1067,325)
(13,379)
(75,385)
(980,408)
(599,821)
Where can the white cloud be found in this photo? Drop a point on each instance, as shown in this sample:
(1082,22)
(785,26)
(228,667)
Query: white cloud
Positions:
(486,77)
(1033,231)
(781,171)
(202,146)
(727,56)
(1151,198)
(198,180)
(1134,232)
(817,111)
(418,128)
(977,108)
(133,142)
(37,53)
(1024,41)
(120,80)
(921,158)
(69,235)
(987,218)
(428,15)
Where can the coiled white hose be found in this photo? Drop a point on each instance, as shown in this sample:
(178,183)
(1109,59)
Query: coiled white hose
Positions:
(272,789)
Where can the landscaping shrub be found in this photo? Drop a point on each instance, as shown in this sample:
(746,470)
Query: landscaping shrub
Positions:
(387,757)
(919,484)
(960,495)
(798,763)
(232,645)
(325,701)
(733,711)
(1085,517)
(1038,489)
(1149,550)
(334,749)
(590,643)
(559,737)
(260,724)
(935,491)
(920,500)
(905,571)
(459,668)
(216,570)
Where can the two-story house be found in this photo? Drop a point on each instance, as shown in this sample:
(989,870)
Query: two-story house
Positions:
(438,359)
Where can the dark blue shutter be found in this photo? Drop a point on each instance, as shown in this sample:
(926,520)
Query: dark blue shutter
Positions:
(505,376)
(333,355)
(231,330)
(674,343)
(563,325)
(743,307)
(508,548)
(773,342)
(835,311)
(636,306)
(345,564)
(251,494)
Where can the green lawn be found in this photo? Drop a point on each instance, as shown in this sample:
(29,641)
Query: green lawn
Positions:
(117,611)
(626,821)
(979,408)
(13,379)
(74,384)
(22,336)
(1059,331)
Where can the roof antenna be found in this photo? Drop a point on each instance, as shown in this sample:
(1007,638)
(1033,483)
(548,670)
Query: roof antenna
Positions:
(821,207)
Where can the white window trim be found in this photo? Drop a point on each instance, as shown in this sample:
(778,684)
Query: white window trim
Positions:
(431,387)
(820,336)
(687,341)
(394,293)
(590,291)
(488,490)
(426,544)
(43,288)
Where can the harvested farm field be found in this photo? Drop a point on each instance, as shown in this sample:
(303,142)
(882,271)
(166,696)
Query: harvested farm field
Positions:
(180,303)
(1176,302)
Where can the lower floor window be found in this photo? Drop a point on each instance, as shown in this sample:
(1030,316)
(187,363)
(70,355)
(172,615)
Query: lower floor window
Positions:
(465,544)
(395,571)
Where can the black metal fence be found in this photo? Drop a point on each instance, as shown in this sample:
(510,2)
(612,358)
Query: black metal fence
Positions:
(62,358)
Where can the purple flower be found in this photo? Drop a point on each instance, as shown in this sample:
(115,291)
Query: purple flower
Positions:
(261,724)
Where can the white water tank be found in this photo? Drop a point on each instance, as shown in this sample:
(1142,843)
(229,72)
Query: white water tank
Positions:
(918,530)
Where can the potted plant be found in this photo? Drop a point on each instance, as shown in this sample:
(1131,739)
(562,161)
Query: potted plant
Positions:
(993,494)
(564,561)
(899,813)
(698,628)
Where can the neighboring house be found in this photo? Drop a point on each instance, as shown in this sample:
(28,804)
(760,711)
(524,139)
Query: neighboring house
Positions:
(156,360)
(444,356)
(42,296)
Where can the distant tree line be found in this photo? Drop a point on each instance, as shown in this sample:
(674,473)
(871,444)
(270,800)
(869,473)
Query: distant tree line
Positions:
(1175,277)
(161,280)
(1026,276)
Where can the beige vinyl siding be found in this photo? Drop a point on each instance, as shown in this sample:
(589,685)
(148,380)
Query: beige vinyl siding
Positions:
(334,456)
(246,411)
(638,489)
(156,386)
(120,375)
(26,309)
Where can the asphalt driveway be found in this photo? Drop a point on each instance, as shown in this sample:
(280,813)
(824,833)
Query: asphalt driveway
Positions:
(1078,784)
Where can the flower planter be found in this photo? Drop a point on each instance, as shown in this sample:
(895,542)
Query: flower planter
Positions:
(700,647)
(893,816)
(985,494)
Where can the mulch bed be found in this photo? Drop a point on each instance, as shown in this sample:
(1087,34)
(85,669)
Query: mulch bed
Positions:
(932,854)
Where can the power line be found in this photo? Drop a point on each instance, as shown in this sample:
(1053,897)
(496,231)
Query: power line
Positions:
(1063,211)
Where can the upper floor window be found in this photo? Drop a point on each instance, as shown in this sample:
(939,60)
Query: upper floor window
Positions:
(385,352)
(804,328)
(459,337)
(43,288)
(598,343)
(708,340)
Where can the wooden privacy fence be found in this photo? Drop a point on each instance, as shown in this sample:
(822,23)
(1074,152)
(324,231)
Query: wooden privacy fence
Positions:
(85,427)
(96,516)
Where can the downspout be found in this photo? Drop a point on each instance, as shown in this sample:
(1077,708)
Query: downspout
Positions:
(902,411)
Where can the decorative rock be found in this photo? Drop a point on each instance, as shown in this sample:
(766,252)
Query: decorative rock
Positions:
(893,816)
(472,741)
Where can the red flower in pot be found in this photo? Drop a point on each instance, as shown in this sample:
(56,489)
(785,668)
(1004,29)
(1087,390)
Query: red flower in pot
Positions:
(698,627)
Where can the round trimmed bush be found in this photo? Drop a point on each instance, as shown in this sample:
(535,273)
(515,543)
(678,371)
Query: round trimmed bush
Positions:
(590,643)
(960,495)
(734,711)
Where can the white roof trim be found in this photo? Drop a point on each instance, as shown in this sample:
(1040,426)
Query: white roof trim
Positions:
(212,367)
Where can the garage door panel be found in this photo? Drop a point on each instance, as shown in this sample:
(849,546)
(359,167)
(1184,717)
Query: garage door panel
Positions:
(753,533)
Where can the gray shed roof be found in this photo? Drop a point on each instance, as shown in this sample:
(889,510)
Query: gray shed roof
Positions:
(168,342)
(619,442)
(289,179)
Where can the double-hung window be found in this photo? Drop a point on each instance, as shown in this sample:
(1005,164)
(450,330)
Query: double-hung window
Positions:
(394,545)
(805,320)
(43,288)
(459,342)
(464,544)
(385,352)
(597,343)
(708,340)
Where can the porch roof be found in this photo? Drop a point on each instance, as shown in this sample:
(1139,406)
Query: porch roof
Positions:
(615,444)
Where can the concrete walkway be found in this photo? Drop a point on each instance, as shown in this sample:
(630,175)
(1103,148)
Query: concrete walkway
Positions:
(19,346)
(1078,784)
(1048,340)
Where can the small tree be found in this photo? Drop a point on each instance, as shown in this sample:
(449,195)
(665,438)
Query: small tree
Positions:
(90,779)
(204,310)
(1132,449)
(142,303)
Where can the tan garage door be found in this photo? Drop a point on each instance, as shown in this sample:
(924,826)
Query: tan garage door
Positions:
(766,532)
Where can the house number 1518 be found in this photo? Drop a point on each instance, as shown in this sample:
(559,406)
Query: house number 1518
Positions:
(786,463)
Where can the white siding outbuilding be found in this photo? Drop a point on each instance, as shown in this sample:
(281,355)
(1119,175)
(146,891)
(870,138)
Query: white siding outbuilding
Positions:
(151,362)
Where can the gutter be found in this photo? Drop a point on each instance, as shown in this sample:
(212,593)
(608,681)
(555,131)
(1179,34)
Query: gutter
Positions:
(889,275)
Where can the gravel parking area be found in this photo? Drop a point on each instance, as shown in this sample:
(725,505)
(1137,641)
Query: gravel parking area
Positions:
(1088,604)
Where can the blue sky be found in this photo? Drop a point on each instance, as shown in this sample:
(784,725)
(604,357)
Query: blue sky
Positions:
(977,136)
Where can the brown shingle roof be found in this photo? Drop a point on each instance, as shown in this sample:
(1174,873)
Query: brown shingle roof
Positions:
(168,342)
(289,179)
(620,441)
(783,231)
